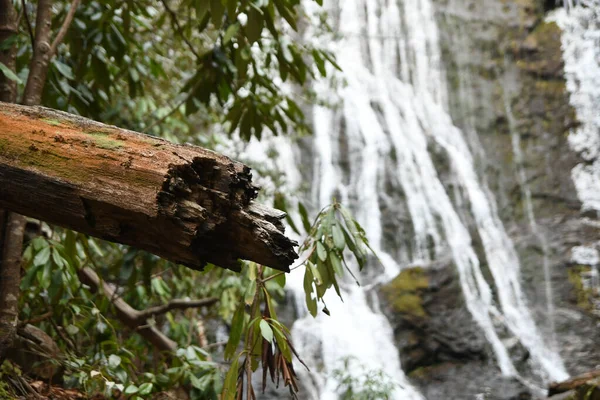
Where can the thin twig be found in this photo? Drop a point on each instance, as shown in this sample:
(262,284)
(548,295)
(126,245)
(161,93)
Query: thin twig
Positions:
(179,29)
(216,344)
(65,27)
(176,304)
(174,109)
(37,319)
(28,23)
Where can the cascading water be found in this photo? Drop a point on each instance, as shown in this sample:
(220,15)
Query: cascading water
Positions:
(393,108)
(526,191)
(581,52)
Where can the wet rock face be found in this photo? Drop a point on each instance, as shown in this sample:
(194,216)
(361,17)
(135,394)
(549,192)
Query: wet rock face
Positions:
(441,348)
(431,323)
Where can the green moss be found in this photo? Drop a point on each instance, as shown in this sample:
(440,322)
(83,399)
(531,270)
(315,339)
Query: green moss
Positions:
(410,280)
(404,292)
(107,143)
(97,133)
(103,140)
(410,304)
(52,121)
(3,143)
(5,394)
(584,295)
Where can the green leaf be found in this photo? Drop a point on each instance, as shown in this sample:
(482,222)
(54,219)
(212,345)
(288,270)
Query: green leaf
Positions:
(282,343)
(311,303)
(250,293)
(356,250)
(338,238)
(304,216)
(131,389)
(321,251)
(201,9)
(234,116)
(336,263)
(64,69)
(72,330)
(229,386)
(230,32)
(30,275)
(42,257)
(231,7)
(279,280)
(266,331)
(315,271)
(286,13)
(58,260)
(145,388)
(237,326)
(114,361)
(197,383)
(217,10)
(10,74)
(254,26)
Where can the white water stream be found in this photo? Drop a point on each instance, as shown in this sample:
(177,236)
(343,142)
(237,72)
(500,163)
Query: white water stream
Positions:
(581,52)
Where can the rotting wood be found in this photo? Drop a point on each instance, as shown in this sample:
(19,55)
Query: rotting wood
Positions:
(572,383)
(183,203)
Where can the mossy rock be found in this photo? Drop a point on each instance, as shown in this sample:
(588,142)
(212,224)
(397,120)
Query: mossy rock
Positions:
(583,294)
(404,293)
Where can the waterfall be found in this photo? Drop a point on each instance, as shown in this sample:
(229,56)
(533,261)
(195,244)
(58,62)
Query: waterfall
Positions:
(581,52)
(393,107)
(374,151)
(526,192)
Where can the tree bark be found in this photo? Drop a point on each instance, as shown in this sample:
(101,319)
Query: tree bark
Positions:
(8,28)
(183,203)
(42,53)
(11,225)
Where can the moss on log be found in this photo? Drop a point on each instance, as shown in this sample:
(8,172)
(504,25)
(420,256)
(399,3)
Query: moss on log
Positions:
(184,203)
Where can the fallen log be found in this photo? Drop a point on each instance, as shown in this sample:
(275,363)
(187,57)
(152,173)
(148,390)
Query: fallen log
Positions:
(183,203)
(572,383)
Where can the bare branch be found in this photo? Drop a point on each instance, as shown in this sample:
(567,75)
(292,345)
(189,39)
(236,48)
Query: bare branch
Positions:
(127,314)
(177,304)
(178,28)
(175,108)
(28,23)
(65,27)
(38,68)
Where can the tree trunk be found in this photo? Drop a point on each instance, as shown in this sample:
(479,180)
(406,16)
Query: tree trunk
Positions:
(11,225)
(183,203)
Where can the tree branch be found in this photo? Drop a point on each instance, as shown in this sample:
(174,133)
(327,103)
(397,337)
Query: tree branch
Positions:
(65,27)
(38,68)
(183,203)
(162,119)
(28,23)
(177,304)
(127,314)
(178,28)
